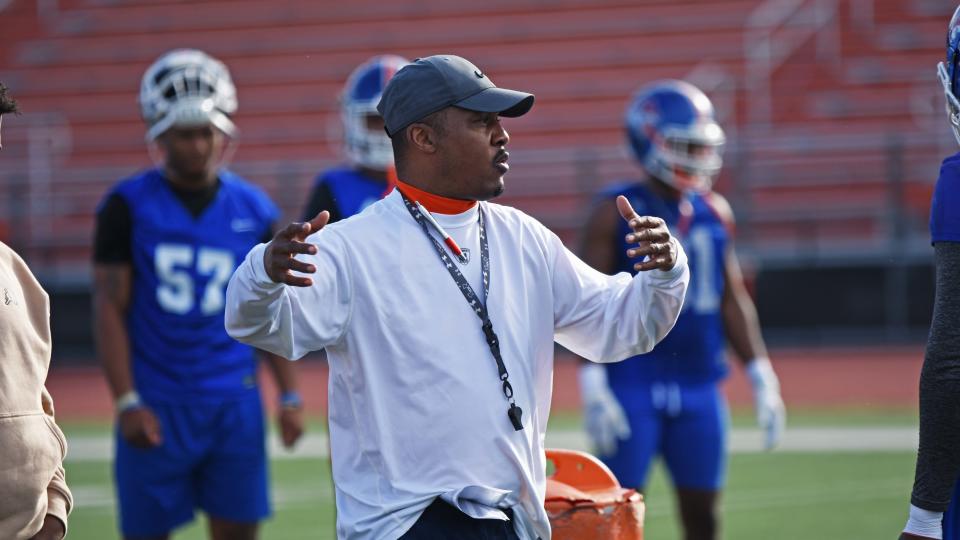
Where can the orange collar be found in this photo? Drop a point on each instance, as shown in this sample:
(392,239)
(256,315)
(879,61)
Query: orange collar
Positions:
(435,203)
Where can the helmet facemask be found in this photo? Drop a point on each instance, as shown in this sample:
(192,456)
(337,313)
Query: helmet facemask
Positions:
(187,88)
(952,104)
(689,159)
(947,73)
(366,145)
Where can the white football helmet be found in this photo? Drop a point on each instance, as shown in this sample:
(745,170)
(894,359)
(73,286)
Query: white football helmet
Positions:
(187,88)
(365,147)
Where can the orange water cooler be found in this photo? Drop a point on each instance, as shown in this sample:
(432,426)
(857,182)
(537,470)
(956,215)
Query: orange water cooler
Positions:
(585,501)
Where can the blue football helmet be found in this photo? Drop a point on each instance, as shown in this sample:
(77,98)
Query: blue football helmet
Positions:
(366,145)
(947,73)
(673,133)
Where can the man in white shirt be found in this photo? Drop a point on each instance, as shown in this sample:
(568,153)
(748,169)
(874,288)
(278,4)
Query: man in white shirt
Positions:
(439,315)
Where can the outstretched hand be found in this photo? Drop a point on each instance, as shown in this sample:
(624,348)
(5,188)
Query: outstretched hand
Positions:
(279,257)
(652,238)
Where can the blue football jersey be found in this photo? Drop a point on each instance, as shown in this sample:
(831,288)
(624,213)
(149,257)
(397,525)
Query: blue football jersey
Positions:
(693,352)
(181,266)
(351,189)
(945,207)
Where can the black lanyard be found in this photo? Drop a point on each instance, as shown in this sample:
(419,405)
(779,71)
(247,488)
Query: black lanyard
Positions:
(480,308)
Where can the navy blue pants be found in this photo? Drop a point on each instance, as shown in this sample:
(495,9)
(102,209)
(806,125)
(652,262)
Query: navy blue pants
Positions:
(441,521)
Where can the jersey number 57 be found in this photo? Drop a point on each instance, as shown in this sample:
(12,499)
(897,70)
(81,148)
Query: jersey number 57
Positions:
(177,277)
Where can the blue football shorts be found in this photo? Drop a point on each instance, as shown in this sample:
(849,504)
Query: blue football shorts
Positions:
(684,424)
(213,457)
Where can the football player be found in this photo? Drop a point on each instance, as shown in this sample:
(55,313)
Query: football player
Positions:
(668,402)
(935,487)
(190,426)
(345,191)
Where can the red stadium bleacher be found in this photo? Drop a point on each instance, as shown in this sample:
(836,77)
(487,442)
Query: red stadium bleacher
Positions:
(834,136)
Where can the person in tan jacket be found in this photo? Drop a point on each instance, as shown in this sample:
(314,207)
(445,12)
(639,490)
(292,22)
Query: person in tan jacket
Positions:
(34,497)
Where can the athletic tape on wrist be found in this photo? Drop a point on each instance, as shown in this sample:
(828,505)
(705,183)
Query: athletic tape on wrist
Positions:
(127,401)
(291,400)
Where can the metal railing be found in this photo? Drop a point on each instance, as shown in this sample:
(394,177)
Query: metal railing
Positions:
(30,179)
(772,33)
(41,192)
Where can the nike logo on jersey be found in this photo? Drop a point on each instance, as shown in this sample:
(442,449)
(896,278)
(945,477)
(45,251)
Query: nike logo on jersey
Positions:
(243,225)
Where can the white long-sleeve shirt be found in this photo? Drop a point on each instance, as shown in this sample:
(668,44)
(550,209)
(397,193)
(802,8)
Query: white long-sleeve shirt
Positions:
(416,409)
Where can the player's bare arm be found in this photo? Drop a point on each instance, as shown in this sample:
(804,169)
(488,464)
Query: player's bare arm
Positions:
(740,320)
(290,410)
(596,247)
(652,237)
(742,327)
(279,259)
(111,299)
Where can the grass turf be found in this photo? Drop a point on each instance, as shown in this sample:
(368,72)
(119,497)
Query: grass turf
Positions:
(302,499)
(783,495)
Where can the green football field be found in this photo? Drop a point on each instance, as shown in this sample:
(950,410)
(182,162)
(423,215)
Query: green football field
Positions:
(785,495)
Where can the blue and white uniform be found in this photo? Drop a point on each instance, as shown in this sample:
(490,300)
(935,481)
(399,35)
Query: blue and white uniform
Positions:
(199,382)
(670,395)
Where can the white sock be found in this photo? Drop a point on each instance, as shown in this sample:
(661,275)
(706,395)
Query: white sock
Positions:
(924,523)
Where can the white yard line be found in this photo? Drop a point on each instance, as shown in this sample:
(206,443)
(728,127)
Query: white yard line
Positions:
(751,500)
(102,498)
(94,448)
(805,439)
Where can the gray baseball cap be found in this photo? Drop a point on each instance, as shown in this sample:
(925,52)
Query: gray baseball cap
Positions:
(430,84)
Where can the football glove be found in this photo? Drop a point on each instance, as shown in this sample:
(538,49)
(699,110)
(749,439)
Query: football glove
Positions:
(604,417)
(771,413)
